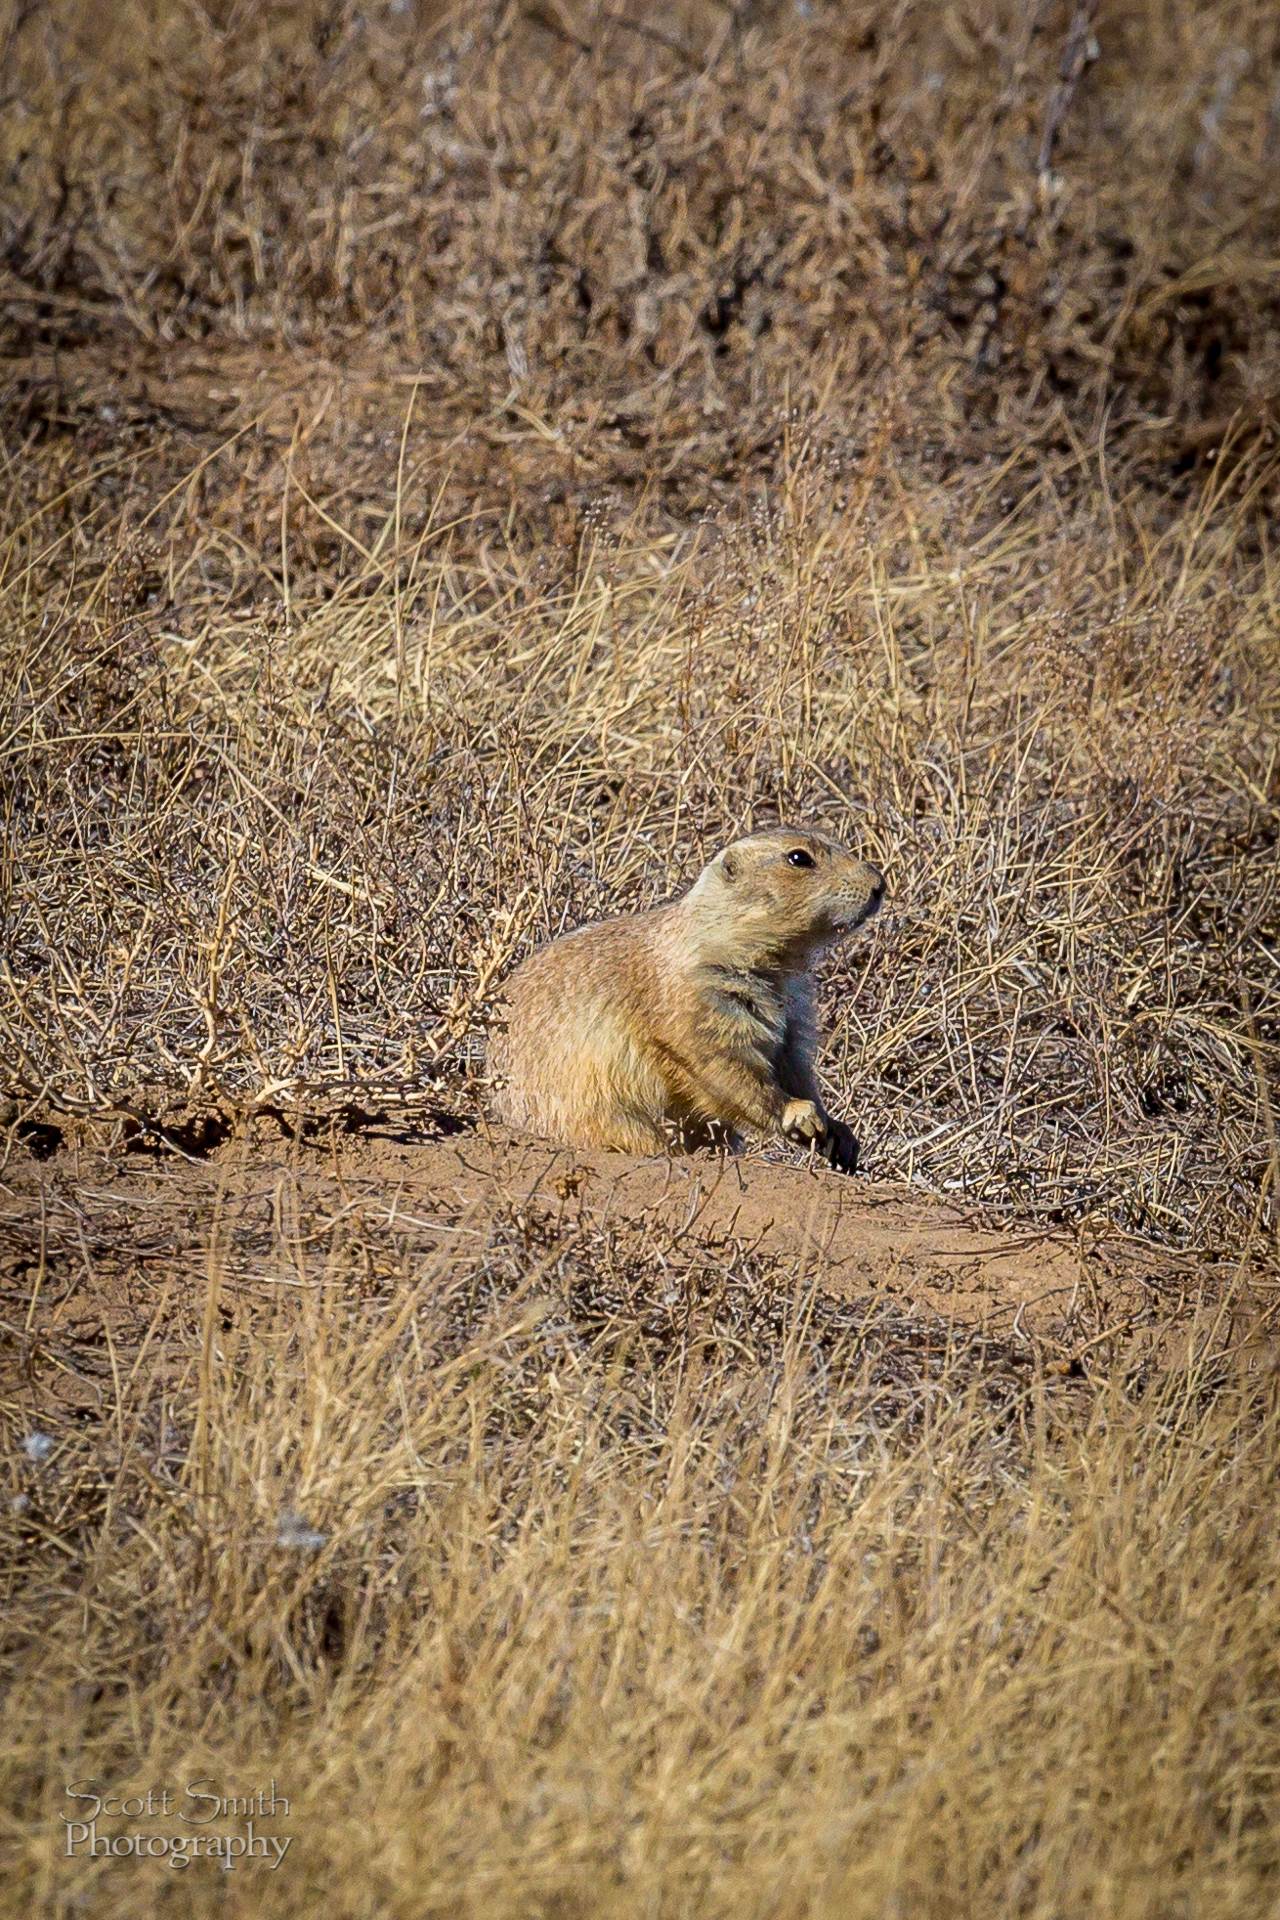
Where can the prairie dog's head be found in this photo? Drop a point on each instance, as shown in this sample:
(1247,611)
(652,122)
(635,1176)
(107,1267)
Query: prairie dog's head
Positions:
(785,893)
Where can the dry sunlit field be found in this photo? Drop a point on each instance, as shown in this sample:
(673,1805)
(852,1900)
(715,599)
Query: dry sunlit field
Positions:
(458,468)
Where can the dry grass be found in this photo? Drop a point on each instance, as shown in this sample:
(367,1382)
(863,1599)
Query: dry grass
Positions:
(456,472)
(537,1594)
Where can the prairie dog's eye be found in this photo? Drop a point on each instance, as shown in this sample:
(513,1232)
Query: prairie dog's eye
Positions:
(799,858)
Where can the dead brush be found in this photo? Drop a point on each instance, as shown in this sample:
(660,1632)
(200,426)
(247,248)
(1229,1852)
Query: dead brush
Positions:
(297,867)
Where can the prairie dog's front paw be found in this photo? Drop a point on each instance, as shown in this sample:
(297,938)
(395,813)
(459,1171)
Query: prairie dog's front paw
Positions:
(803,1120)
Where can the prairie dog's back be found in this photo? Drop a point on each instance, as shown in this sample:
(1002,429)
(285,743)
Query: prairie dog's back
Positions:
(577,1013)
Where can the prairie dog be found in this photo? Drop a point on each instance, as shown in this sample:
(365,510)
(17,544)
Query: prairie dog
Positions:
(686,1026)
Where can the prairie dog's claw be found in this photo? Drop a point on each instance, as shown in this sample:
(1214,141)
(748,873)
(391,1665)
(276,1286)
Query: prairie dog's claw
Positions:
(840,1147)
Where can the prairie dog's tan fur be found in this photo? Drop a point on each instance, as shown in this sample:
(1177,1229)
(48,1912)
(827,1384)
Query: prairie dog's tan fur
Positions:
(693,1023)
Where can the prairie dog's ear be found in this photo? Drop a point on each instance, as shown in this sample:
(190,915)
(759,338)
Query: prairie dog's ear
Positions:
(728,866)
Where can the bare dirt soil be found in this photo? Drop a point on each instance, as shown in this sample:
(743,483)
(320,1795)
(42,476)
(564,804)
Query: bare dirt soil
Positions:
(96,1240)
